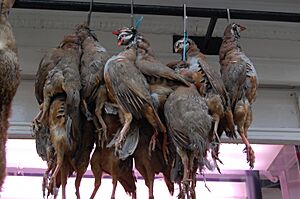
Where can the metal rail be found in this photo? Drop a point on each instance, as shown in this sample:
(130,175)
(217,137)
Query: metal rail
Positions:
(157,10)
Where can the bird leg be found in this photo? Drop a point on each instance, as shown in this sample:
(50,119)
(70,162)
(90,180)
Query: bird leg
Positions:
(165,147)
(243,118)
(216,119)
(186,174)
(150,188)
(100,100)
(124,130)
(53,177)
(204,180)
(38,116)
(98,176)
(215,156)
(46,105)
(86,111)
(133,195)
(45,181)
(65,170)
(36,125)
(78,179)
(51,164)
(248,149)
(98,131)
(152,142)
(114,182)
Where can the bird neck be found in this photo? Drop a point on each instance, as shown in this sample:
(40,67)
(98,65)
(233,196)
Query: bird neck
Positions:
(144,47)
(129,52)
(234,41)
(193,51)
(7,39)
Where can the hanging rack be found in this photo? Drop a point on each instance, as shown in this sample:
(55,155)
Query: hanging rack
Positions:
(157,10)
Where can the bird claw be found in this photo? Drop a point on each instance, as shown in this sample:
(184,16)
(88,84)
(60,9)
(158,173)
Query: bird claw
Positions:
(118,145)
(152,143)
(88,116)
(44,185)
(102,136)
(250,156)
(187,190)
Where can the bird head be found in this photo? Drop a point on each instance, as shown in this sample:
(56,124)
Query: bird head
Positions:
(70,41)
(5,6)
(179,45)
(125,35)
(83,31)
(234,29)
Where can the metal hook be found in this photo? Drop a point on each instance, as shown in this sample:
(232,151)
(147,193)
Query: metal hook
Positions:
(228,16)
(90,13)
(132,15)
(184,33)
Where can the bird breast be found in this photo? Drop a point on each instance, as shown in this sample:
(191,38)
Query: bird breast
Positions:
(193,64)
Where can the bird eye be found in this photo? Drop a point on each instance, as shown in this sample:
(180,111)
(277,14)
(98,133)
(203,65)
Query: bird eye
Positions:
(234,27)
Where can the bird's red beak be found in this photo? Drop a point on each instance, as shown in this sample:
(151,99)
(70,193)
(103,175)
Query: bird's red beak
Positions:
(120,42)
(242,28)
(116,32)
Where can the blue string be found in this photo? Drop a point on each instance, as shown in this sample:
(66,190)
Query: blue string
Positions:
(138,22)
(184,46)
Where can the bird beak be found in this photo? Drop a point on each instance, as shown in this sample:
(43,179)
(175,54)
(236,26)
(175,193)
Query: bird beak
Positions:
(176,50)
(242,28)
(116,32)
(120,42)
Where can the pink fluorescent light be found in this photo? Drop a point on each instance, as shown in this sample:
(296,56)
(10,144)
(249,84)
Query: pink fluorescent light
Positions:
(18,187)
(21,153)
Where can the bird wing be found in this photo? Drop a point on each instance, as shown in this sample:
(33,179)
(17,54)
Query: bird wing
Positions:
(234,76)
(129,85)
(251,82)
(47,63)
(92,65)
(156,69)
(183,111)
(9,74)
(215,81)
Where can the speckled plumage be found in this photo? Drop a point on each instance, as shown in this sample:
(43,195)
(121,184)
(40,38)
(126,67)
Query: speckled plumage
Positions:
(189,126)
(128,87)
(9,79)
(240,79)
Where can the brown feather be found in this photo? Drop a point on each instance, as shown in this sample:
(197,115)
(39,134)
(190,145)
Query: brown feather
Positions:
(9,79)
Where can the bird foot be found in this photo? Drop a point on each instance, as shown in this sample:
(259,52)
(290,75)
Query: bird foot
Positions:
(216,157)
(165,152)
(44,185)
(152,143)
(250,156)
(88,116)
(118,145)
(187,191)
(102,136)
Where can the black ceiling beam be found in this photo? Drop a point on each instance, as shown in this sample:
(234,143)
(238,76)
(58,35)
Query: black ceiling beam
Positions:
(209,32)
(158,10)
